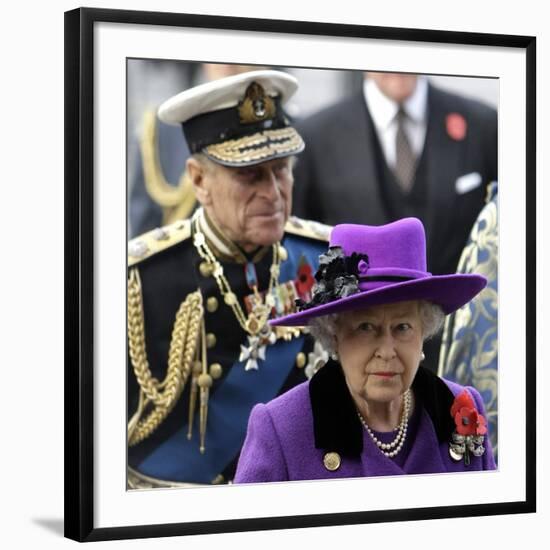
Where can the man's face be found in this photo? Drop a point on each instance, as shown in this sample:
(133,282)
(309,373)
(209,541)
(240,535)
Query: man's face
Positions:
(396,86)
(250,204)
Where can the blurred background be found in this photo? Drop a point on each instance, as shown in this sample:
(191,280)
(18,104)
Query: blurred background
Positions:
(157,192)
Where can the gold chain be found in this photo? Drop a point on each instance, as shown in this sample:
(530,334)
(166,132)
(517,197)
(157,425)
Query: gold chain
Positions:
(162,396)
(257,319)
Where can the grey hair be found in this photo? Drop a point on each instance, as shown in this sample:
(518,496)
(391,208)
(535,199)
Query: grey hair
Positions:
(203,160)
(323,328)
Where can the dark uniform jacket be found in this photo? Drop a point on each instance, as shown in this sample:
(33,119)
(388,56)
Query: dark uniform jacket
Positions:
(169,269)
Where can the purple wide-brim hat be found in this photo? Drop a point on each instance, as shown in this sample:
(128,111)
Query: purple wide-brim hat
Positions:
(374,265)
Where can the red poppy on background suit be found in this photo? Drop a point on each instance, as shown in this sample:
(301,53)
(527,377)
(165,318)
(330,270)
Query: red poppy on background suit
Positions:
(456,126)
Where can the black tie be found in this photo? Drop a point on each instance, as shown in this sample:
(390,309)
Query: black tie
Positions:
(405,160)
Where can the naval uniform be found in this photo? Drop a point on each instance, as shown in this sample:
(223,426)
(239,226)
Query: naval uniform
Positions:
(170,269)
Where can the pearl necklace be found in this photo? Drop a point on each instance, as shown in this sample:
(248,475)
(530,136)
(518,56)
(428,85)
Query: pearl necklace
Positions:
(388,448)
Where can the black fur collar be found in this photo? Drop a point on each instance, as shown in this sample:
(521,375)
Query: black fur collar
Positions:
(335,421)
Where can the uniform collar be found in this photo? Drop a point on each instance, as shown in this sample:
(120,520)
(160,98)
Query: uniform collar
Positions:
(383,110)
(336,424)
(222,247)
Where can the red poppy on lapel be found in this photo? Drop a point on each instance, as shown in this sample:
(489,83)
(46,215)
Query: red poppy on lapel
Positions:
(467,420)
(456,126)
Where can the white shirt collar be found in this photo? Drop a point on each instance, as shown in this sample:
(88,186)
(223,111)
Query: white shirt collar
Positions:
(383,110)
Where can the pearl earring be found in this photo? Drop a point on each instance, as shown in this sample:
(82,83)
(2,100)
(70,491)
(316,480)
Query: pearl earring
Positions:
(422,356)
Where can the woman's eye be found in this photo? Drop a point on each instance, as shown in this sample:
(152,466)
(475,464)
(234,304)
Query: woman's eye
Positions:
(403,327)
(366,327)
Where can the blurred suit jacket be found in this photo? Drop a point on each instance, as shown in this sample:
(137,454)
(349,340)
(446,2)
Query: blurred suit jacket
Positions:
(342,176)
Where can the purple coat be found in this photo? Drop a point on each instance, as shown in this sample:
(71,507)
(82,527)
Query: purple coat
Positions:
(288,437)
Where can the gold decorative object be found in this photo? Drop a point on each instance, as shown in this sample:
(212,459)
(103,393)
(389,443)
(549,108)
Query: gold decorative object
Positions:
(137,480)
(256,105)
(258,146)
(212,304)
(206,269)
(156,399)
(230,299)
(332,461)
(216,370)
(255,324)
(210,340)
(301,360)
(205,381)
(177,202)
(287,333)
(283,254)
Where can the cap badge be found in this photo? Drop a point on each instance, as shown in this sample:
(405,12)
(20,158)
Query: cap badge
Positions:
(256,105)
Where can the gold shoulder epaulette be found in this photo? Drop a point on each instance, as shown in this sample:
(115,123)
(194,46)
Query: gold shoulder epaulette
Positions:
(308,228)
(158,239)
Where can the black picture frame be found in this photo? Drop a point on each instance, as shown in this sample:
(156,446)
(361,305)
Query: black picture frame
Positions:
(79,271)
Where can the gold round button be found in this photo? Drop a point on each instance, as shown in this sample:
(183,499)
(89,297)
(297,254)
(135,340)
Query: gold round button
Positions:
(332,461)
(301,360)
(218,480)
(206,269)
(210,340)
(212,304)
(216,370)
(205,381)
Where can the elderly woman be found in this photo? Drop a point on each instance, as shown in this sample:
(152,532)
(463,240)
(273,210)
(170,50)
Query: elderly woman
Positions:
(372,409)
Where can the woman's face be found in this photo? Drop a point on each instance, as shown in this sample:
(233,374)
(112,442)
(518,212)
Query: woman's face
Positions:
(380,349)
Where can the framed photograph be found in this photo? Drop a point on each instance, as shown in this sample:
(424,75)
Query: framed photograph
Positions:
(115,62)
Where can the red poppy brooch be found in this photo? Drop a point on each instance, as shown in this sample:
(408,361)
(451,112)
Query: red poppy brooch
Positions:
(304,280)
(470,429)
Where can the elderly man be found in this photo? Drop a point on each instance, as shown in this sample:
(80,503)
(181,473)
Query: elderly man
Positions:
(200,291)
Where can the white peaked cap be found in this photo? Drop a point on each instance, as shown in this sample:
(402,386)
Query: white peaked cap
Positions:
(223,94)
